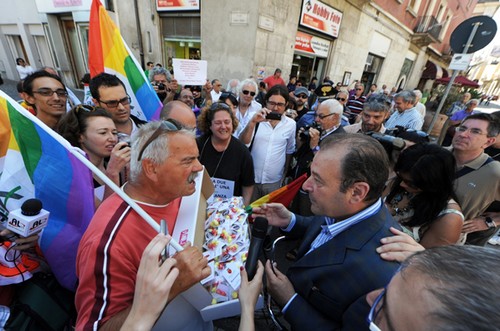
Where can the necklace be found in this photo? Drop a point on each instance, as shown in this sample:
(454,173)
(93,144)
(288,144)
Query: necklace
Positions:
(220,159)
(399,212)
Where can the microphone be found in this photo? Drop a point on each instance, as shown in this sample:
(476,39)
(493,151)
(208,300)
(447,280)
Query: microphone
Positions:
(28,219)
(258,234)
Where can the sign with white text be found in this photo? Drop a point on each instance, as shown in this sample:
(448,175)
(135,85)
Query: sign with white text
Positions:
(311,44)
(320,17)
(460,61)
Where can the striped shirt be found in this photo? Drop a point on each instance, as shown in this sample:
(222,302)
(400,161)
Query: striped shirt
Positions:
(409,119)
(355,105)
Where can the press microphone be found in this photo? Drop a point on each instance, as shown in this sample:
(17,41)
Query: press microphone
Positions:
(28,219)
(258,234)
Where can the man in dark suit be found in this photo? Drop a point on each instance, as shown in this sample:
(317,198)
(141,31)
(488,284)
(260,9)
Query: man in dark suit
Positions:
(337,261)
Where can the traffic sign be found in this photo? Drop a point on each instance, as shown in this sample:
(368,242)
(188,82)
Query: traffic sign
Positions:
(484,35)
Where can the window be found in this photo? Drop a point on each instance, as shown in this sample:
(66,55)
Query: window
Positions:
(413,6)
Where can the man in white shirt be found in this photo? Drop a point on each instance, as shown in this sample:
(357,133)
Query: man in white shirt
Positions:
(247,105)
(272,141)
(418,105)
(216,91)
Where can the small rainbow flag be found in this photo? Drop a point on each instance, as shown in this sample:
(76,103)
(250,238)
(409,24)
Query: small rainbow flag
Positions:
(283,195)
(35,162)
(109,53)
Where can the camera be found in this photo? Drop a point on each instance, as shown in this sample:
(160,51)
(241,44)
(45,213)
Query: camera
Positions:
(160,86)
(273,116)
(123,137)
(389,141)
(305,134)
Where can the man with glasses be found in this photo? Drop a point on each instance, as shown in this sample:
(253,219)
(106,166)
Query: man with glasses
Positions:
(301,96)
(355,102)
(432,291)
(47,94)
(327,119)
(109,92)
(375,111)
(337,261)
(216,90)
(247,106)
(272,142)
(163,167)
(477,177)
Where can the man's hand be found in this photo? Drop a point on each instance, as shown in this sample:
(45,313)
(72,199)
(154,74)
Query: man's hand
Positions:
(22,244)
(193,267)
(276,214)
(474,225)
(279,286)
(398,247)
(153,284)
(260,116)
(313,138)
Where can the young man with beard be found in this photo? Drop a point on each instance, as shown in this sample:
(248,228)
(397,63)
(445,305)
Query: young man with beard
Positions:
(375,111)
(301,95)
(109,92)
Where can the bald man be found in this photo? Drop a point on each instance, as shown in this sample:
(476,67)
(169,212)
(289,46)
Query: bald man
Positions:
(180,112)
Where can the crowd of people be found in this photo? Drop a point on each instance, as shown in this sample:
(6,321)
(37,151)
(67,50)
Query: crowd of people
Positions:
(387,218)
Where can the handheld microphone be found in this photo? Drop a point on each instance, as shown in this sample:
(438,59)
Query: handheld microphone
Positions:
(258,234)
(28,219)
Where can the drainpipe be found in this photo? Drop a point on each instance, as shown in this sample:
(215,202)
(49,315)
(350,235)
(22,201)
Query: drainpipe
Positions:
(139,32)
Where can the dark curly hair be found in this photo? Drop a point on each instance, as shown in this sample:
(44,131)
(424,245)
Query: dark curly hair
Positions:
(207,115)
(74,123)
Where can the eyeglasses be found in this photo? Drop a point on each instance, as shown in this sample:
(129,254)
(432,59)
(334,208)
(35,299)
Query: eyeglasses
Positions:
(47,92)
(321,116)
(473,131)
(302,96)
(358,89)
(114,103)
(375,310)
(272,104)
(246,92)
(165,126)
(341,99)
(218,106)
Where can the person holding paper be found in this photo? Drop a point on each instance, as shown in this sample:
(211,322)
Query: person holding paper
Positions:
(163,167)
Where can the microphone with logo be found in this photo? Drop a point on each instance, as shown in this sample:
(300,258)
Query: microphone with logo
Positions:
(28,219)
(258,234)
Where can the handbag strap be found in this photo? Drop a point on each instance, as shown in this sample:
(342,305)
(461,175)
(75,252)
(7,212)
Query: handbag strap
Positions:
(253,138)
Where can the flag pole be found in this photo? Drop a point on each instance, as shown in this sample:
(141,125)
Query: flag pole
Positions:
(78,154)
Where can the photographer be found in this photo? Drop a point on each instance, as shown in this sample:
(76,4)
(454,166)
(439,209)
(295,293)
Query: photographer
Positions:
(160,79)
(327,121)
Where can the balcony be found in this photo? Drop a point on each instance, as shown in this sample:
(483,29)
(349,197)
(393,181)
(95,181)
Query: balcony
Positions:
(426,31)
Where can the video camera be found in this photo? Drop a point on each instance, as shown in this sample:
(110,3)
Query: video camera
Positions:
(305,133)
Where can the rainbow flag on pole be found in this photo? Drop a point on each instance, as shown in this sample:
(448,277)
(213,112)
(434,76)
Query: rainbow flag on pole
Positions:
(283,195)
(109,53)
(35,162)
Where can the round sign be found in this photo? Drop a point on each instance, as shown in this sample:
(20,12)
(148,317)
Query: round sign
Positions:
(484,34)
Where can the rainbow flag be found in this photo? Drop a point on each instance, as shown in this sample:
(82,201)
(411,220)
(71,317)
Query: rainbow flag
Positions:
(109,53)
(283,195)
(35,162)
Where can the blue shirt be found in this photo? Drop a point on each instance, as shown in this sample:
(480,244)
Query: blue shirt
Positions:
(460,115)
(409,119)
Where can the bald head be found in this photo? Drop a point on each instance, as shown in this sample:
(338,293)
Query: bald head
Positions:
(180,112)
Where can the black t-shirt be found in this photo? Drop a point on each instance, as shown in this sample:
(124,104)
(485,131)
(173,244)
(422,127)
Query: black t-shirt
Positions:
(234,164)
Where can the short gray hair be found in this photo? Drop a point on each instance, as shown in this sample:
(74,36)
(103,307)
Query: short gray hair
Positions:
(407,96)
(157,151)
(247,82)
(464,279)
(159,71)
(334,107)
(476,101)
(418,94)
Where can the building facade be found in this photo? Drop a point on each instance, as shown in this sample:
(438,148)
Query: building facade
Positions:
(399,43)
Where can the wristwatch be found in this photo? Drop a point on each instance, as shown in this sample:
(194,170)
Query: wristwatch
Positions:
(489,222)
(315,149)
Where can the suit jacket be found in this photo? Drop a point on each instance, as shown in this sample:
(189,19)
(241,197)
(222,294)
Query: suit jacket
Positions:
(333,276)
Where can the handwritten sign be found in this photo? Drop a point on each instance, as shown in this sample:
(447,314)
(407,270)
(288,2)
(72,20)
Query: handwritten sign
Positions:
(190,72)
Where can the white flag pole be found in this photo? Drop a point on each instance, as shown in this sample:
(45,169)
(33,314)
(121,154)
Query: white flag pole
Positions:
(78,153)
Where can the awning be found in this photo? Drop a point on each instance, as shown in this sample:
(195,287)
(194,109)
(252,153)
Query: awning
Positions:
(460,80)
(434,71)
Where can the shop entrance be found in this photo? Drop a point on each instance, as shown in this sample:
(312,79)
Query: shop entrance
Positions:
(306,66)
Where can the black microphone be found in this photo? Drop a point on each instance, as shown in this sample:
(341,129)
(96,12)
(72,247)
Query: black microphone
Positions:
(258,234)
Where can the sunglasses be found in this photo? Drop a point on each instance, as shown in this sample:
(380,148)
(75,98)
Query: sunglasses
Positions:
(246,92)
(218,106)
(302,96)
(114,103)
(341,99)
(47,92)
(165,126)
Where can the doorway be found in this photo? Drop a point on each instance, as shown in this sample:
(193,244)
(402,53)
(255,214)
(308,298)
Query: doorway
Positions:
(74,46)
(306,66)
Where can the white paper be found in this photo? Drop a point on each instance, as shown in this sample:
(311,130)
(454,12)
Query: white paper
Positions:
(190,72)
